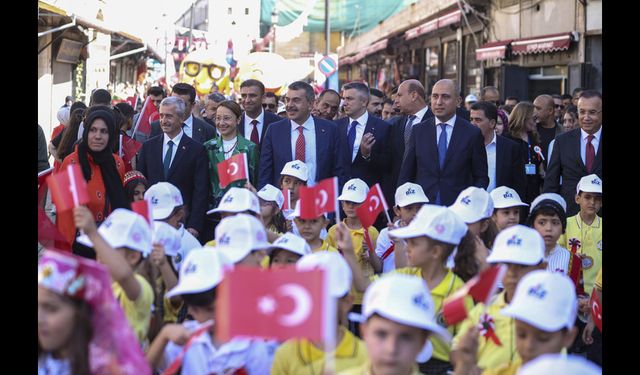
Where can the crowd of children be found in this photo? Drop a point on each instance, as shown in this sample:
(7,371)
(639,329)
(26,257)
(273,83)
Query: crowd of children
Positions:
(148,303)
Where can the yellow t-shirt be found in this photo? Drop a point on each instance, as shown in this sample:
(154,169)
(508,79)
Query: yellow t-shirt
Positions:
(325,247)
(357,237)
(506,369)
(489,354)
(365,369)
(299,356)
(598,283)
(588,239)
(138,312)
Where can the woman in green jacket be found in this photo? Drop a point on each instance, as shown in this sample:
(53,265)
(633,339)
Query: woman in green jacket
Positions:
(230,143)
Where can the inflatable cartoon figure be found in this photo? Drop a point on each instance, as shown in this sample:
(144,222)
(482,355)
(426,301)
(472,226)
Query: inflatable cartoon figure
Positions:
(203,68)
(273,70)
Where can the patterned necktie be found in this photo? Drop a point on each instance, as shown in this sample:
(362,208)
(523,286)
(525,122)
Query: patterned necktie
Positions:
(167,158)
(408,128)
(300,155)
(442,144)
(254,132)
(351,137)
(590,154)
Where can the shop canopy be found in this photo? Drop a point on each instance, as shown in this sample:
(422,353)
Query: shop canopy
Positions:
(433,24)
(538,44)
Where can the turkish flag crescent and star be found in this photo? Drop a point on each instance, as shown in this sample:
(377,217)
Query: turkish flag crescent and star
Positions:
(233,169)
(130,148)
(275,304)
(373,205)
(68,188)
(148,114)
(596,309)
(319,199)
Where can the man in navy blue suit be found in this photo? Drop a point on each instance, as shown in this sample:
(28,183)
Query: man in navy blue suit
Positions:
(446,153)
(255,120)
(303,137)
(173,157)
(364,136)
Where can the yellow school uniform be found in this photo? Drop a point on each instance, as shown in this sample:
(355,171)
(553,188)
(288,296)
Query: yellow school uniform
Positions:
(325,247)
(598,283)
(357,237)
(299,356)
(366,369)
(589,244)
(489,354)
(138,312)
(506,369)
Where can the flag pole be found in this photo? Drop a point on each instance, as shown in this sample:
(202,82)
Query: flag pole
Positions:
(384,203)
(335,189)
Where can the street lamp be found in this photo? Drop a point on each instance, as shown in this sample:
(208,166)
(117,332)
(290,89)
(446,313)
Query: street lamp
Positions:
(274,21)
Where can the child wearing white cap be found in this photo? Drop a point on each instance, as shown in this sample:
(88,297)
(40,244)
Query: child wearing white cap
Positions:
(293,175)
(314,231)
(409,199)
(431,237)
(544,308)
(560,364)
(121,243)
(521,249)
(287,250)
(507,207)
(271,201)
(197,286)
(301,356)
(242,240)
(398,318)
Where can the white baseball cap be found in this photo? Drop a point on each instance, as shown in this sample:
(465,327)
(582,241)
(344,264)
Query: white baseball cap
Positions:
(436,222)
(355,190)
(470,98)
(560,364)
(590,184)
(239,235)
(271,193)
(200,271)
(168,236)
(504,197)
(164,198)
(473,204)
(518,244)
(403,299)
(337,269)
(292,243)
(546,300)
(552,196)
(237,200)
(124,228)
(410,193)
(296,168)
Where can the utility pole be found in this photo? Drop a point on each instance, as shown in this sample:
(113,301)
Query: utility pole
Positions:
(191,28)
(327,30)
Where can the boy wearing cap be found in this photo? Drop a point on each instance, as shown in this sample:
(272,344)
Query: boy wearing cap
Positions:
(293,175)
(199,278)
(521,249)
(544,309)
(507,207)
(314,231)
(409,199)
(287,250)
(120,244)
(271,201)
(398,318)
(301,356)
(242,240)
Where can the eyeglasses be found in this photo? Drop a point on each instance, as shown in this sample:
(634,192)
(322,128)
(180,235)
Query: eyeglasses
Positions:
(268,105)
(192,68)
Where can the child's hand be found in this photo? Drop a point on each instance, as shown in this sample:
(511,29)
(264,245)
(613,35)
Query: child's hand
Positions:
(583,305)
(343,239)
(466,352)
(588,330)
(83,219)
(157,255)
(481,253)
(250,187)
(176,333)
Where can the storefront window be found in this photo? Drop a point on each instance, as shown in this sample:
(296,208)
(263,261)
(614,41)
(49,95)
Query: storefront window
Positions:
(450,61)
(473,78)
(431,67)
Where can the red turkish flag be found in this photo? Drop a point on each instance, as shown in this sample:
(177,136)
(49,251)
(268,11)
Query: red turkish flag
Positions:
(373,205)
(319,199)
(596,309)
(233,169)
(276,304)
(143,208)
(454,309)
(148,114)
(68,188)
(287,200)
(130,148)
(132,101)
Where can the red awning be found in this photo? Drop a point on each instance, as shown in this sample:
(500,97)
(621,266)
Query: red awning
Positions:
(375,47)
(541,44)
(493,50)
(434,24)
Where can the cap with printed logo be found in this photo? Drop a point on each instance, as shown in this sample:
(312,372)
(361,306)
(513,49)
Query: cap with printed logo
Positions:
(237,236)
(167,236)
(547,201)
(518,244)
(473,204)
(164,197)
(337,270)
(544,299)
(504,197)
(292,243)
(237,200)
(558,363)
(124,228)
(271,193)
(471,98)
(410,193)
(200,272)
(436,222)
(355,190)
(296,168)
(590,184)
(548,196)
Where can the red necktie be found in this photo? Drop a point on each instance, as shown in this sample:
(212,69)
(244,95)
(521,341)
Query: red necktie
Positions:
(590,154)
(300,145)
(254,133)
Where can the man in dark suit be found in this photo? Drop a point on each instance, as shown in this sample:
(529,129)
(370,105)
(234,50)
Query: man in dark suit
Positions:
(505,162)
(578,152)
(303,137)
(446,153)
(194,128)
(255,120)
(178,159)
(364,136)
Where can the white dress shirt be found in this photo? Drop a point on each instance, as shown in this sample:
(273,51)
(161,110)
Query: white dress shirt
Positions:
(450,124)
(165,145)
(362,123)
(491,162)
(248,127)
(310,146)
(583,143)
(419,115)
(188,126)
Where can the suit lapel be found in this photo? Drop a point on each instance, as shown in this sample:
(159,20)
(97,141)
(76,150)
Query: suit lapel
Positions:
(427,115)
(453,143)
(287,139)
(577,141)
(157,150)
(321,134)
(241,126)
(197,134)
(182,149)
(597,162)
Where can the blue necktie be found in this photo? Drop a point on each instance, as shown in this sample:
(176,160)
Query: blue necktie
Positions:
(442,145)
(167,159)
(351,136)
